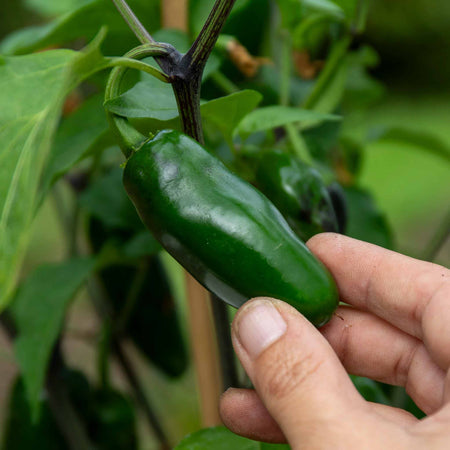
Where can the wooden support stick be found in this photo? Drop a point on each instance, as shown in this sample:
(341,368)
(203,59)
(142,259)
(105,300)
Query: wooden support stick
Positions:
(204,351)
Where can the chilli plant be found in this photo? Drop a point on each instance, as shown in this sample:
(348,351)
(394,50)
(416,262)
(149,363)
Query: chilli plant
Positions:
(265,86)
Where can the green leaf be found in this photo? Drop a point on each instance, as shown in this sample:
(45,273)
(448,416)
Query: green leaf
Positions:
(53,8)
(141,244)
(84,22)
(365,221)
(38,312)
(107,200)
(348,6)
(43,434)
(328,7)
(271,117)
(226,113)
(32,91)
(370,390)
(149,99)
(78,136)
(420,140)
(220,438)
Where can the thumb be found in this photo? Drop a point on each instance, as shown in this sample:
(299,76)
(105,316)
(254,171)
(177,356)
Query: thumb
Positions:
(296,373)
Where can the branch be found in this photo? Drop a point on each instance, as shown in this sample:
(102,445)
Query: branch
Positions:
(199,53)
(133,22)
(139,393)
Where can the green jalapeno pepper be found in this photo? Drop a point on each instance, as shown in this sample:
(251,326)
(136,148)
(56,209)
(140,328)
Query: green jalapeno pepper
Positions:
(298,191)
(225,232)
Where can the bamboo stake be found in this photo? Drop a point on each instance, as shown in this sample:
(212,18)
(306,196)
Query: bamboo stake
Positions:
(174,14)
(204,351)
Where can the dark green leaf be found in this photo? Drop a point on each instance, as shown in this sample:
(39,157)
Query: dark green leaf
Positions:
(365,221)
(78,136)
(107,200)
(225,113)
(370,390)
(32,92)
(271,117)
(21,432)
(322,138)
(38,312)
(220,438)
(152,318)
(141,244)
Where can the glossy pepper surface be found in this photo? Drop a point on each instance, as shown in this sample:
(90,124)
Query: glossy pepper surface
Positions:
(298,191)
(225,232)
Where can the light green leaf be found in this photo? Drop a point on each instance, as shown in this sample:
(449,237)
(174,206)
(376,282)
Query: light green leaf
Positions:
(38,312)
(53,8)
(271,117)
(84,22)
(324,6)
(78,136)
(226,113)
(149,99)
(420,140)
(348,6)
(220,438)
(32,91)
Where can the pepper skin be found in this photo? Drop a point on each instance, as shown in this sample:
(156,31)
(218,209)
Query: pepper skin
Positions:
(227,234)
(298,191)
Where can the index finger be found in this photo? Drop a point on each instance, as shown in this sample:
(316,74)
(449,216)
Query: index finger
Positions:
(397,288)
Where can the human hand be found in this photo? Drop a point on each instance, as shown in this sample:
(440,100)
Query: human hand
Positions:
(397,330)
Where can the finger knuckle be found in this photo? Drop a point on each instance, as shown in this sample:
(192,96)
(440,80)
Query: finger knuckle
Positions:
(289,373)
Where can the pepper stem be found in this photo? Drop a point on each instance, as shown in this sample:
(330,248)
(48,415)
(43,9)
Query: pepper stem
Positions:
(130,139)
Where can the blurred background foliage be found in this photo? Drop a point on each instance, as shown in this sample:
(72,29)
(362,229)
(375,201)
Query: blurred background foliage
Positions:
(409,90)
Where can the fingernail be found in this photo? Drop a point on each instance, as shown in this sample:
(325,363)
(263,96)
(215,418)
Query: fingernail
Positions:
(259,325)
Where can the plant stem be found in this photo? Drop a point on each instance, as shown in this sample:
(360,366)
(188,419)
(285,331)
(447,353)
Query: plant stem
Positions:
(133,22)
(362,10)
(103,310)
(333,63)
(130,139)
(286,66)
(187,94)
(132,296)
(199,53)
(101,305)
(438,240)
(139,393)
(230,376)
(224,82)
(63,412)
(187,87)
(298,144)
